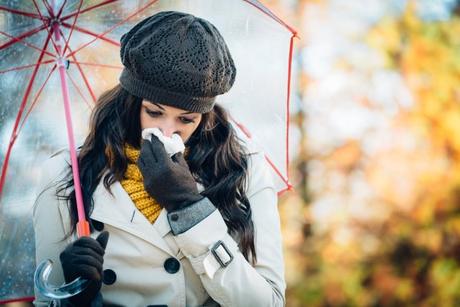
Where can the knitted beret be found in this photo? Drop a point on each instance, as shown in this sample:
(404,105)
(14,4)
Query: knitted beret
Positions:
(176,59)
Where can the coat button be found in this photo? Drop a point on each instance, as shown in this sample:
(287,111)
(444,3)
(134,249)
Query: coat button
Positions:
(109,277)
(99,226)
(174,217)
(171,265)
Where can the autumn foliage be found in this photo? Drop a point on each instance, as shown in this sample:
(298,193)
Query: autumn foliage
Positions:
(389,230)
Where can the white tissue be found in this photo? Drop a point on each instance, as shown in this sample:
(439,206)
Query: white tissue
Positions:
(172,144)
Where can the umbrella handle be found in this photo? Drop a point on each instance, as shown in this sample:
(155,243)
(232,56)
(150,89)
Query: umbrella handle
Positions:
(56,292)
(66,290)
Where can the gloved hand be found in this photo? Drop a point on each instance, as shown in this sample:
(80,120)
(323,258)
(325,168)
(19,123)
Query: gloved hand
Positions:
(167,179)
(84,258)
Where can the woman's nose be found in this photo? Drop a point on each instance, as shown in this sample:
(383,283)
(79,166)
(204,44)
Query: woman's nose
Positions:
(168,130)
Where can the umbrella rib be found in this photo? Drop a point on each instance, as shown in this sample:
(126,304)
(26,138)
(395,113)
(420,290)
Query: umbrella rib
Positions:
(46,27)
(248,134)
(18,117)
(115,26)
(88,9)
(25,66)
(242,127)
(72,28)
(48,8)
(36,98)
(97,65)
(61,9)
(83,30)
(20,38)
(18,12)
(277,171)
(270,14)
(288,95)
(93,96)
(79,90)
(16,39)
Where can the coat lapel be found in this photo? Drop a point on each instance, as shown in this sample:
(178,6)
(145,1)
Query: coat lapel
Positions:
(118,210)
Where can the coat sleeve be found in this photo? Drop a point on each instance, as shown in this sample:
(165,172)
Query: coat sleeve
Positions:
(48,223)
(240,283)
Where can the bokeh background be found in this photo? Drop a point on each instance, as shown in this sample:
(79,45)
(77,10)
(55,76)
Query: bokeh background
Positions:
(374,216)
(374,219)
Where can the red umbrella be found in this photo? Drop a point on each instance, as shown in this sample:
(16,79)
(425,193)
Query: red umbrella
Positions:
(56,57)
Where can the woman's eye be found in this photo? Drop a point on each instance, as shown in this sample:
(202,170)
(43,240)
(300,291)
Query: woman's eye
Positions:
(186,120)
(153,113)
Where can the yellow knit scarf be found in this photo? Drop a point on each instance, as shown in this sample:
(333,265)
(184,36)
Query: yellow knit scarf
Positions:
(134,186)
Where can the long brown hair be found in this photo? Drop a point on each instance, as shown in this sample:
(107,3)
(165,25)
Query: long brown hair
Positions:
(216,157)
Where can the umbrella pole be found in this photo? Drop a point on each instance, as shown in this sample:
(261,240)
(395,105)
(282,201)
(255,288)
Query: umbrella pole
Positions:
(44,268)
(82,224)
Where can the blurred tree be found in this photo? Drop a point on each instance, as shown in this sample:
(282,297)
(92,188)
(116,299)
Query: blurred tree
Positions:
(409,255)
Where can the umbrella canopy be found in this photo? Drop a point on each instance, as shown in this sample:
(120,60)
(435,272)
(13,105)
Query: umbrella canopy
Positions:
(53,52)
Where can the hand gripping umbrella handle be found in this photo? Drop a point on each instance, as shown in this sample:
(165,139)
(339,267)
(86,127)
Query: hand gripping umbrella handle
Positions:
(65,291)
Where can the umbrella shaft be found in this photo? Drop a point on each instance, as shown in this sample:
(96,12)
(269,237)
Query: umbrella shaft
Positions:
(82,226)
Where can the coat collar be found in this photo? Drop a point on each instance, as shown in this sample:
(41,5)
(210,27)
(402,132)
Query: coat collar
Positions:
(118,210)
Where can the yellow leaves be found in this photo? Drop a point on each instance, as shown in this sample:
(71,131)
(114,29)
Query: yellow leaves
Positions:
(384,280)
(429,238)
(445,277)
(424,213)
(451,124)
(429,57)
(405,289)
(409,17)
(386,36)
(412,170)
(293,238)
(419,53)
(345,157)
(453,226)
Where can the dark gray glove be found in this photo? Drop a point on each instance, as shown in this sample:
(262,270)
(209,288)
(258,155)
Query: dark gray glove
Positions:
(167,179)
(84,258)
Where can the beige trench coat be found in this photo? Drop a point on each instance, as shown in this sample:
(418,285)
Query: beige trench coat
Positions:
(137,251)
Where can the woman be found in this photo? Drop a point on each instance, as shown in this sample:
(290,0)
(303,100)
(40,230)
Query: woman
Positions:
(193,229)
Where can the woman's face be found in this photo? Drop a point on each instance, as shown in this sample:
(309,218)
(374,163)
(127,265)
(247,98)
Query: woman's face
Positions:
(169,119)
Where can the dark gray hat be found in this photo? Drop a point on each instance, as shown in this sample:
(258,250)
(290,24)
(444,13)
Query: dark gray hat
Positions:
(176,59)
